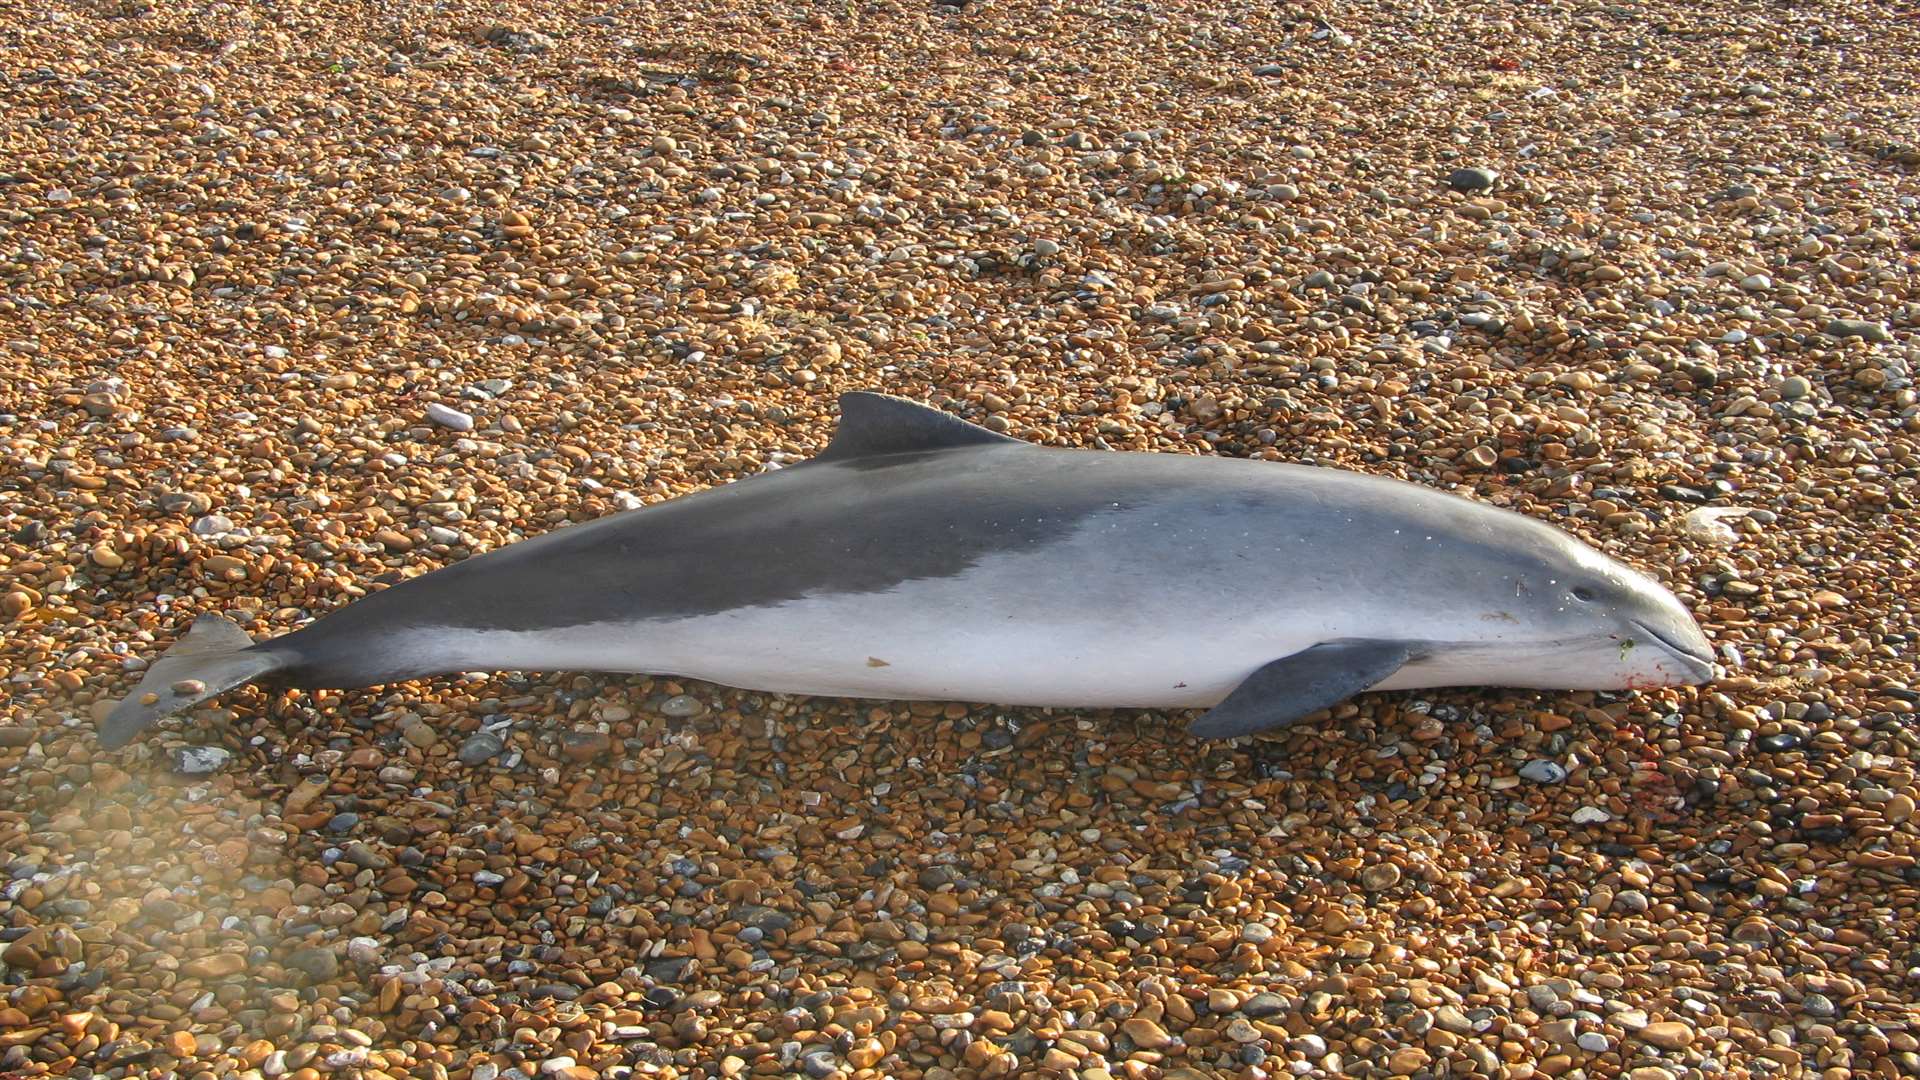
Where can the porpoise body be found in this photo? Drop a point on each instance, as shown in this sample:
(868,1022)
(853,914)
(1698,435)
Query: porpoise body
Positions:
(922,557)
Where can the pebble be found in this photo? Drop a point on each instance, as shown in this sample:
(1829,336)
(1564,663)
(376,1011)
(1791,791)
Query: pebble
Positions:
(1540,771)
(582,746)
(200,760)
(683,706)
(1146,1034)
(1472,178)
(448,417)
(213,526)
(480,748)
(420,734)
(1859,328)
(1380,876)
(318,964)
(1311,1047)
(1667,1035)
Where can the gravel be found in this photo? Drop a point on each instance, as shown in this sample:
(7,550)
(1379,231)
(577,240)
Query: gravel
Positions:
(299,300)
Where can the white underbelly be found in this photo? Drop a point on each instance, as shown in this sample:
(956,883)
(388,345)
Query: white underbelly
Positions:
(876,646)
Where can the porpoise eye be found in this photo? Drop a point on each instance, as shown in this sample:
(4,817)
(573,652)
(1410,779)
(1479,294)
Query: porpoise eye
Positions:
(1582,594)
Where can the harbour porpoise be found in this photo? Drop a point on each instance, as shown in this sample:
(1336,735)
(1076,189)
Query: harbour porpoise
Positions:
(923,557)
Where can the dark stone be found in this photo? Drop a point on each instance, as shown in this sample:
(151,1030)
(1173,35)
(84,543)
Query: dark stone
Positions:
(1472,179)
(319,964)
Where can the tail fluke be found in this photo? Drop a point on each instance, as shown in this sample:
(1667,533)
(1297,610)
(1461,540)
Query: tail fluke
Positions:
(214,657)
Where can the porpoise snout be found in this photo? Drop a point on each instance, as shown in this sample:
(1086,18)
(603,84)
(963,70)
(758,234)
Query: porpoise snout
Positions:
(1685,655)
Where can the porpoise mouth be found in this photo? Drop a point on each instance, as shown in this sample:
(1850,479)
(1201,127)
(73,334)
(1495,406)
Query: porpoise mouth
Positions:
(1704,657)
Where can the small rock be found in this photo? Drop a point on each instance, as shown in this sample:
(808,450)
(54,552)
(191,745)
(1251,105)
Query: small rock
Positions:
(584,746)
(1407,1060)
(1667,1035)
(184,502)
(213,525)
(1858,328)
(1559,1032)
(217,966)
(449,417)
(1473,178)
(866,1054)
(200,760)
(1591,815)
(683,706)
(1146,1034)
(22,954)
(421,734)
(1380,876)
(480,748)
(1264,1005)
(318,964)
(1541,771)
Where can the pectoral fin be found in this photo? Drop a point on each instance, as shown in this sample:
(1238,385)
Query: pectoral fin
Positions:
(1306,682)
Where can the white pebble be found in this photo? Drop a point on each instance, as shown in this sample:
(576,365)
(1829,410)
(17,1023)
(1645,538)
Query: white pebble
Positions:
(449,417)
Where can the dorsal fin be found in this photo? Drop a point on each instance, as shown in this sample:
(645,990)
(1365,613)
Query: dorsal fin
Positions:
(874,424)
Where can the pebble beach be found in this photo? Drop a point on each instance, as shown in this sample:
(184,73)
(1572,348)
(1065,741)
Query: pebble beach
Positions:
(299,300)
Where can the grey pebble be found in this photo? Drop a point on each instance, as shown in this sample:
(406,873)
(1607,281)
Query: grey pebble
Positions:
(213,525)
(1260,1005)
(1475,178)
(1860,328)
(480,748)
(682,705)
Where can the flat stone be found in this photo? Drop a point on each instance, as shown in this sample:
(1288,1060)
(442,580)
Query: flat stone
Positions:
(1667,1035)
(449,417)
(1858,328)
(1473,178)
(480,748)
